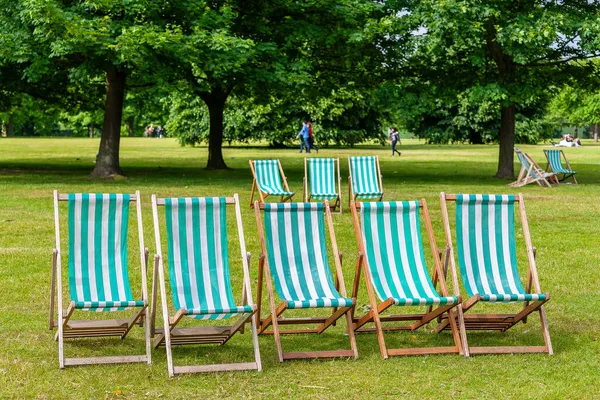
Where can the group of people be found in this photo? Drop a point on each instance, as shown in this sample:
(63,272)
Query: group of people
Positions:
(307,140)
(157,132)
(569,141)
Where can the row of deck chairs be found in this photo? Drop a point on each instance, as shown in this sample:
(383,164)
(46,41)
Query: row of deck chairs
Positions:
(322,180)
(294,267)
(554,173)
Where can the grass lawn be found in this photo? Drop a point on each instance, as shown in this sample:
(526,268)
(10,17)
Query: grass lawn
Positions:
(564,227)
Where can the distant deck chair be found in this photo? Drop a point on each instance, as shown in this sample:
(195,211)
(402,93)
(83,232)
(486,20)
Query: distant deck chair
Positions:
(555,164)
(322,181)
(294,257)
(269,180)
(393,265)
(364,181)
(98,273)
(531,172)
(487,257)
(199,278)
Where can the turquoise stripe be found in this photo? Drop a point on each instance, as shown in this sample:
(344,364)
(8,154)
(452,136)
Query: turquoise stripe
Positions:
(85,235)
(212,257)
(98,247)
(198,250)
(183,252)
(171,250)
(124,240)
(112,273)
(297,248)
(396,248)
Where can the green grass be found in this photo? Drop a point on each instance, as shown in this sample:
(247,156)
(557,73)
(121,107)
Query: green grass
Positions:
(564,227)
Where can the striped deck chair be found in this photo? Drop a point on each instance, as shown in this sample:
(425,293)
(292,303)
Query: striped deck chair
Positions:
(393,264)
(364,181)
(320,181)
(487,257)
(531,172)
(98,273)
(199,277)
(555,164)
(294,256)
(269,180)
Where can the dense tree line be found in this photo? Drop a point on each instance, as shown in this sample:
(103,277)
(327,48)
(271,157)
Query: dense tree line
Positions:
(240,70)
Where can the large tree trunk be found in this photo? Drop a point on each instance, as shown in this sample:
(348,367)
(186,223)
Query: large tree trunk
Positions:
(107,160)
(507,142)
(130,122)
(10,131)
(215,101)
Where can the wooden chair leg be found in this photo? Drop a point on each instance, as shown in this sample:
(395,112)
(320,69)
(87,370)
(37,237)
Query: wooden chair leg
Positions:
(52,289)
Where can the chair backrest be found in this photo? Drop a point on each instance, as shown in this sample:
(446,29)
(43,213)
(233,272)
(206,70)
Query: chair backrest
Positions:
(391,236)
(296,247)
(98,262)
(198,254)
(365,176)
(555,162)
(322,177)
(268,176)
(486,243)
(527,162)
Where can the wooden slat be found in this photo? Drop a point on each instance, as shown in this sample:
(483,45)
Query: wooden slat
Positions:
(104,360)
(308,320)
(384,328)
(160,201)
(190,369)
(97,324)
(452,197)
(317,354)
(292,331)
(65,197)
(508,349)
(421,351)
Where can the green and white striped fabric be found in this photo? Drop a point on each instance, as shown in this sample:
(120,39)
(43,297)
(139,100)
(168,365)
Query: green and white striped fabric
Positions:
(391,236)
(268,177)
(365,177)
(98,273)
(322,178)
(487,254)
(555,162)
(199,258)
(524,162)
(295,238)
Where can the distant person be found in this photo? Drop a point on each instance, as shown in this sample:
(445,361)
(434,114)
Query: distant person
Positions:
(570,139)
(311,138)
(303,135)
(159,131)
(395,138)
(150,130)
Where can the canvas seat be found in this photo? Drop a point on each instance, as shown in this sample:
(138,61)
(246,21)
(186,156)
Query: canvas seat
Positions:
(393,264)
(531,172)
(364,181)
(322,181)
(269,180)
(199,277)
(556,166)
(294,258)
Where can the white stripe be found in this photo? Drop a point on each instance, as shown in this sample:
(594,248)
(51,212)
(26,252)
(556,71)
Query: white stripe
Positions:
(289,244)
(422,271)
(467,244)
(304,255)
(219,247)
(91,267)
(118,261)
(77,248)
(210,302)
(177,254)
(314,219)
(377,253)
(479,249)
(189,239)
(393,263)
(104,247)
(410,280)
(506,245)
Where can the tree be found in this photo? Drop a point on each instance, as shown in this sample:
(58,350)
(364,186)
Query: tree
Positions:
(506,54)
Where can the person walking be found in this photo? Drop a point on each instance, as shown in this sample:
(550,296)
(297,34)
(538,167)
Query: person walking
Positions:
(395,138)
(311,138)
(303,135)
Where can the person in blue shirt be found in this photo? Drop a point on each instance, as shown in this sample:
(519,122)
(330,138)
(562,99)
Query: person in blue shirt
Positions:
(303,135)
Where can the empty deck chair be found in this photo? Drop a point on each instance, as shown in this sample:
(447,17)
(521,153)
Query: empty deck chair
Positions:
(364,181)
(555,165)
(487,257)
(98,264)
(199,278)
(531,172)
(294,257)
(269,180)
(322,181)
(393,264)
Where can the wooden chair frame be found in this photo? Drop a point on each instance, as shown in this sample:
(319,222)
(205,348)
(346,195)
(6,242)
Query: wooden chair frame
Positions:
(525,177)
(374,316)
(67,328)
(565,176)
(307,195)
(351,196)
(499,322)
(261,195)
(323,322)
(203,334)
